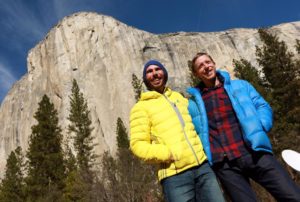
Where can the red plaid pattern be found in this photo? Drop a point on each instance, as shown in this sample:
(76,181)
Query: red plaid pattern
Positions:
(225,135)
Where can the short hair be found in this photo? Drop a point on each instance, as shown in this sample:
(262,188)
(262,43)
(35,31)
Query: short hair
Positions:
(199,54)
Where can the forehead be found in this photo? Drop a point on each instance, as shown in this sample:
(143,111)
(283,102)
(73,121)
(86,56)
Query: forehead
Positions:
(202,58)
(152,67)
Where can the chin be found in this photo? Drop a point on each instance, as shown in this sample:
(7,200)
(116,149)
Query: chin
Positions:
(212,75)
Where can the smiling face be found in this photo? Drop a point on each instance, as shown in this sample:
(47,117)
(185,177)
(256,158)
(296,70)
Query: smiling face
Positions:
(204,68)
(155,78)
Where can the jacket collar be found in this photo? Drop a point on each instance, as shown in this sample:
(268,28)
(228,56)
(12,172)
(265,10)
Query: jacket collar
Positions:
(154,95)
(222,75)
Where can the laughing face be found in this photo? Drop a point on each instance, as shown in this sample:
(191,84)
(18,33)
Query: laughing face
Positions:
(205,70)
(155,78)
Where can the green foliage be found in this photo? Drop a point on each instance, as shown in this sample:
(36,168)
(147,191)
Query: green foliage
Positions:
(297,60)
(137,86)
(109,176)
(141,177)
(282,75)
(12,185)
(72,190)
(45,157)
(81,129)
(244,70)
(134,180)
(81,176)
(76,188)
(275,59)
(122,135)
(70,159)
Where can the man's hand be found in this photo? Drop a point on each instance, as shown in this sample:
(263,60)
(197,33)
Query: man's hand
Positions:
(172,158)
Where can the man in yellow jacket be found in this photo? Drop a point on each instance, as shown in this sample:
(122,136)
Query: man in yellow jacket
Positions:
(162,132)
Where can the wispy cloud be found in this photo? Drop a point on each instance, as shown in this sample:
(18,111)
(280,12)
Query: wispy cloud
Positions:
(24,22)
(7,79)
(20,22)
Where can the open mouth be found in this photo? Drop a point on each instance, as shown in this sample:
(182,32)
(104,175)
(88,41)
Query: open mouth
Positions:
(209,73)
(156,81)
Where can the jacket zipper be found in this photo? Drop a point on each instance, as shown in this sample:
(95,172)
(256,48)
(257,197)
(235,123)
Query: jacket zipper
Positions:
(182,125)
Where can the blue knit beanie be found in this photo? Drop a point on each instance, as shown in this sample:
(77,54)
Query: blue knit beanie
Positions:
(154,62)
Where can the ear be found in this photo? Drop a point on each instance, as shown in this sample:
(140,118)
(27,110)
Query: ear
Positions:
(194,72)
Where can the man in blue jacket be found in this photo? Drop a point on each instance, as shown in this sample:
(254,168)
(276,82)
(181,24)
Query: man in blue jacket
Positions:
(232,120)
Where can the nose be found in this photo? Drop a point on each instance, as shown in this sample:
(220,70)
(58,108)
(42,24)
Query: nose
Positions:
(155,72)
(206,66)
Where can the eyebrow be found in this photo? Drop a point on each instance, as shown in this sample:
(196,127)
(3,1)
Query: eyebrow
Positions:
(156,68)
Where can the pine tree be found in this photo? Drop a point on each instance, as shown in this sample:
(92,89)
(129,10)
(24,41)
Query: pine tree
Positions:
(73,190)
(280,71)
(297,46)
(130,170)
(296,111)
(76,187)
(275,59)
(137,86)
(109,176)
(122,135)
(83,177)
(12,185)
(244,70)
(45,157)
(80,127)
(70,159)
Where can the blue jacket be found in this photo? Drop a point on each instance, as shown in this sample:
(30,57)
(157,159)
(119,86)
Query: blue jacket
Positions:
(253,112)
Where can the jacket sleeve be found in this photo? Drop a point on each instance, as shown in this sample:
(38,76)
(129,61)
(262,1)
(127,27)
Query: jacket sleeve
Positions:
(196,116)
(140,138)
(264,110)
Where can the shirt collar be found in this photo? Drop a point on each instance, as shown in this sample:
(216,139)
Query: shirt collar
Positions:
(202,88)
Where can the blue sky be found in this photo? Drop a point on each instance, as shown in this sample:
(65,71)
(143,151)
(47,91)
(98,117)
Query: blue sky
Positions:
(25,22)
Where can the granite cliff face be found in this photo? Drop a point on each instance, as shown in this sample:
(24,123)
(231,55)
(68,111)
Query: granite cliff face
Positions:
(102,53)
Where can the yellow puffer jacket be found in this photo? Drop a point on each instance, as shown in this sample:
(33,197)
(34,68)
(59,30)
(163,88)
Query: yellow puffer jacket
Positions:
(156,133)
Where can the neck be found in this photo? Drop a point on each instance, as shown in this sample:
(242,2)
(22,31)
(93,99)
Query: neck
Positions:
(212,83)
(161,90)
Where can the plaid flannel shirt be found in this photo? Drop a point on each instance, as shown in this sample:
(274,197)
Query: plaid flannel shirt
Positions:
(225,135)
